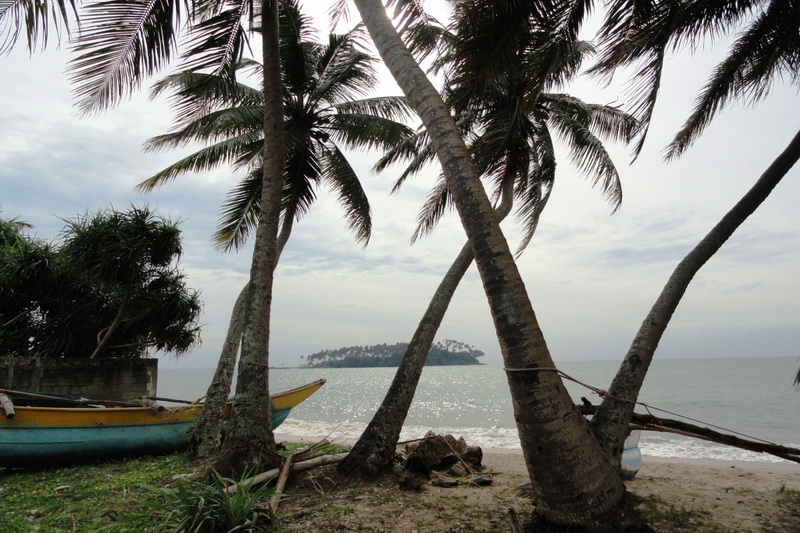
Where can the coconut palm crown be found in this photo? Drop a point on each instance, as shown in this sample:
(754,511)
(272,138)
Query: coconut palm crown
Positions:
(513,116)
(325,113)
(766,50)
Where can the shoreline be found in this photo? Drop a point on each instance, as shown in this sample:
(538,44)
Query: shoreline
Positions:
(677,494)
(784,466)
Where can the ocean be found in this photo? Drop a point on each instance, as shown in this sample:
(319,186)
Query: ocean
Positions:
(753,397)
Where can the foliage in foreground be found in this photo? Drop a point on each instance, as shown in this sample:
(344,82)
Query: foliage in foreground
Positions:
(91,497)
(122,496)
(206,507)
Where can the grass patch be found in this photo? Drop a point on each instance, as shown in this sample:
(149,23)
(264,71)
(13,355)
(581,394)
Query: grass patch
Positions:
(668,518)
(111,496)
(103,496)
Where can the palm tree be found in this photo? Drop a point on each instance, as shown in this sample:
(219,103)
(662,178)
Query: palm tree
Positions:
(509,131)
(121,42)
(765,51)
(324,111)
(643,32)
(324,114)
(575,481)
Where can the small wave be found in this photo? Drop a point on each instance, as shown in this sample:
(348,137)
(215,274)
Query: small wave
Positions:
(506,438)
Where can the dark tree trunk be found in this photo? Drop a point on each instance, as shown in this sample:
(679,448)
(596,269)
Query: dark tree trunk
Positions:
(375,448)
(207,433)
(250,440)
(575,481)
(614,414)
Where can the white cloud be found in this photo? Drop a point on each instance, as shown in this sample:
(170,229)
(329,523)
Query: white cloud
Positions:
(592,276)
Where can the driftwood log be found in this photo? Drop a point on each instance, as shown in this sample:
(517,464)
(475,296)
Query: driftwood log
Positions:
(649,422)
(296,467)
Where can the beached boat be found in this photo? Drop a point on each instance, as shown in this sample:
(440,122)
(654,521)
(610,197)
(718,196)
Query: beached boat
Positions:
(33,436)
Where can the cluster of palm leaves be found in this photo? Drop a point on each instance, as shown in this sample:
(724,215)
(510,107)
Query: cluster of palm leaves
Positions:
(510,105)
(326,114)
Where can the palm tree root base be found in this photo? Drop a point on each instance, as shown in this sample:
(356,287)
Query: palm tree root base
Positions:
(237,459)
(623,519)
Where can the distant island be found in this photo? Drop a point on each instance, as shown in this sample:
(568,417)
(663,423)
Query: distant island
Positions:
(442,353)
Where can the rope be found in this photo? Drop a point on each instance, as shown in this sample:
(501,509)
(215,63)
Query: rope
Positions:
(604,394)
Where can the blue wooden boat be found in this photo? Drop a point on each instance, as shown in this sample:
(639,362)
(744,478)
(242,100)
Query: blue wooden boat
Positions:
(36,436)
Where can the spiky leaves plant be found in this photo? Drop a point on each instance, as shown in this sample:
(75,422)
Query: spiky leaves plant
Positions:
(209,507)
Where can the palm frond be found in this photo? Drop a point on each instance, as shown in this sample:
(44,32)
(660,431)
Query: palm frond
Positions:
(194,95)
(238,152)
(37,17)
(390,107)
(433,209)
(121,42)
(344,72)
(298,52)
(768,49)
(239,217)
(225,124)
(366,131)
(587,151)
(340,176)
(339,11)
(217,42)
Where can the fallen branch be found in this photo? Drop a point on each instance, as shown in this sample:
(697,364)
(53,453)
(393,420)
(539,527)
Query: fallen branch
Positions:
(286,466)
(651,423)
(296,467)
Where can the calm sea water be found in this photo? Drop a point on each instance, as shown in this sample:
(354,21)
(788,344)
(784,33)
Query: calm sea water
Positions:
(754,397)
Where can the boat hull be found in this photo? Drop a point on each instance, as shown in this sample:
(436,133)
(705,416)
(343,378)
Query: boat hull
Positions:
(39,436)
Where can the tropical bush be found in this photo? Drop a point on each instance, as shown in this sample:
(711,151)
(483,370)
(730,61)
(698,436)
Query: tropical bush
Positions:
(109,286)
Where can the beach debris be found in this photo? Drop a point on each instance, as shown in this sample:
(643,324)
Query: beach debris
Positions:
(412,481)
(443,480)
(648,422)
(285,468)
(444,460)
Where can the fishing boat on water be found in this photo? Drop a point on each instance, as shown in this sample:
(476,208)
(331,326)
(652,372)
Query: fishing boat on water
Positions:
(39,429)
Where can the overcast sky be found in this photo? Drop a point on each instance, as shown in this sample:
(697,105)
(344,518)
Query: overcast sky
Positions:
(592,276)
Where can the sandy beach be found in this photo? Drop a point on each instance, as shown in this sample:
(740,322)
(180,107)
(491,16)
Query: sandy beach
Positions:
(692,496)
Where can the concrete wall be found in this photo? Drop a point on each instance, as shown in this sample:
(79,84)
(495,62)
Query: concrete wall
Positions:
(99,379)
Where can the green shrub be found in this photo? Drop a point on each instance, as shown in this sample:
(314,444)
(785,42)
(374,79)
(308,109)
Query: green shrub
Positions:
(206,507)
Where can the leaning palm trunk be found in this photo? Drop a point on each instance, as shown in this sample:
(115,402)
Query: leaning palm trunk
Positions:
(250,440)
(574,479)
(614,414)
(375,448)
(207,433)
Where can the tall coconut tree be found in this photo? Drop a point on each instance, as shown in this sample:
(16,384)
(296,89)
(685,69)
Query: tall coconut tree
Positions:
(325,113)
(574,479)
(510,132)
(122,42)
(765,51)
